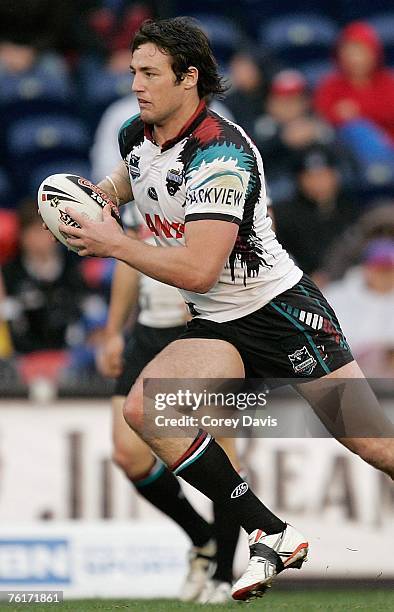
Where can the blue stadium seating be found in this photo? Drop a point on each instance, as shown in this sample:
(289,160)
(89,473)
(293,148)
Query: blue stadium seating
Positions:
(299,38)
(224,35)
(314,71)
(38,83)
(99,87)
(33,135)
(250,14)
(37,140)
(73,165)
(6,199)
(352,10)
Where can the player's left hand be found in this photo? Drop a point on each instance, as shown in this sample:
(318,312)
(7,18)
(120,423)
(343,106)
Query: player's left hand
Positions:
(94,238)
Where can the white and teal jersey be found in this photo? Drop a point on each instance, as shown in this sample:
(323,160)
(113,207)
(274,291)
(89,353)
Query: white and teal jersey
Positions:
(211,170)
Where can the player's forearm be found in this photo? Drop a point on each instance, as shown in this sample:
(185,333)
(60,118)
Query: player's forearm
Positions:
(176,266)
(117,185)
(124,295)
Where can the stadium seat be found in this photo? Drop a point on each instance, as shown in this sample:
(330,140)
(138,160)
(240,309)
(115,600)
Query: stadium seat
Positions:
(384,26)
(299,38)
(35,141)
(374,155)
(213,7)
(315,71)
(351,10)
(224,35)
(41,82)
(73,165)
(99,88)
(260,11)
(6,200)
(31,136)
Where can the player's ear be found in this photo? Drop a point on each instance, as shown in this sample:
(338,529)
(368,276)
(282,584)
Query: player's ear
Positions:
(191,78)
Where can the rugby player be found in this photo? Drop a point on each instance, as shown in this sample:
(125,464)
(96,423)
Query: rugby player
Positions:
(254,312)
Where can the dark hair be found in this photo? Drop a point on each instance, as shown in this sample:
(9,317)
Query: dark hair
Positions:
(188,46)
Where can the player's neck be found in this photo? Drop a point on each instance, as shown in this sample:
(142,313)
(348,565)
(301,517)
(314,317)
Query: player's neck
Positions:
(170,128)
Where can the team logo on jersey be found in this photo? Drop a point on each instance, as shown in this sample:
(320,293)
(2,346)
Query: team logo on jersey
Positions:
(192,309)
(152,193)
(174,181)
(302,361)
(134,166)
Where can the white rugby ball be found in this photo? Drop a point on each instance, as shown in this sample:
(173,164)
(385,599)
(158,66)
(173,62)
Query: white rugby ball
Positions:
(60,191)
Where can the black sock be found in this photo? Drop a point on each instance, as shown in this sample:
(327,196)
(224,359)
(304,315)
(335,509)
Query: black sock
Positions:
(226,530)
(162,489)
(206,467)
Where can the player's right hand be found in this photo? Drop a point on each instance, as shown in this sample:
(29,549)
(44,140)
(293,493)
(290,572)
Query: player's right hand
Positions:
(109,358)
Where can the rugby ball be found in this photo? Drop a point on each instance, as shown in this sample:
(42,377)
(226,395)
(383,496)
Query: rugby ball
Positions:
(60,191)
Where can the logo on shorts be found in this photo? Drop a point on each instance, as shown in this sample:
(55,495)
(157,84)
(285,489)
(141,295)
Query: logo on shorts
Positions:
(239,490)
(134,166)
(302,361)
(173,181)
(322,351)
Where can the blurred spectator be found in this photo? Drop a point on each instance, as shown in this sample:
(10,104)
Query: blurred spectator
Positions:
(32,27)
(5,337)
(364,303)
(9,235)
(287,128)
(307,224)
(347,249)
(359,95)
(105,150)
(43,288)
(249,74)
(115,24)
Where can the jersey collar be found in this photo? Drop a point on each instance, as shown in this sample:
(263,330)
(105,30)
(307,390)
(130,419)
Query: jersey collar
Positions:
(198,116)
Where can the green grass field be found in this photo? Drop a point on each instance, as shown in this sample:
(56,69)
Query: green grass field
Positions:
(338,601)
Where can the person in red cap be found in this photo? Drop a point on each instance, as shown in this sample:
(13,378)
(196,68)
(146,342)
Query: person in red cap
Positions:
(287,128)
(361,87)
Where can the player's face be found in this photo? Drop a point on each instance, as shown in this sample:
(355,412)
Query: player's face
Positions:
(159,96)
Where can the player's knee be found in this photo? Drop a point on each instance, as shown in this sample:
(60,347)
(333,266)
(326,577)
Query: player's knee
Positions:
(132,411)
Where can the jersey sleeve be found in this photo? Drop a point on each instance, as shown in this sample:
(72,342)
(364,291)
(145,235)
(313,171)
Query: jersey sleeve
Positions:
(130,133)
(217,182)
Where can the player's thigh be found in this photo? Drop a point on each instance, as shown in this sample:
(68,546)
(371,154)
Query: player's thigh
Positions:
(347,405)
(127,445)
(199,360)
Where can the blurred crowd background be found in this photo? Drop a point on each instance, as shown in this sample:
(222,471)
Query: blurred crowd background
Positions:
(312,82)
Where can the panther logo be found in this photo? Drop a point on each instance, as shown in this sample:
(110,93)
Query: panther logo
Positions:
(302,361)
(174,181)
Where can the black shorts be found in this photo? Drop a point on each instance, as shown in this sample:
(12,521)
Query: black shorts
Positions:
(142,347)
(295,336)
